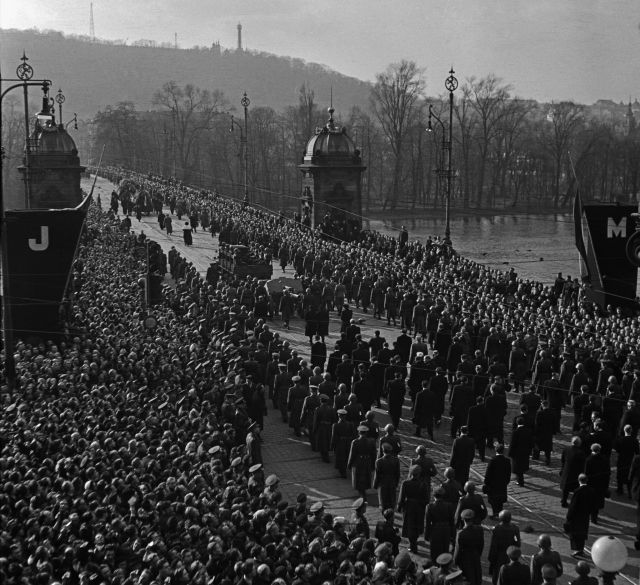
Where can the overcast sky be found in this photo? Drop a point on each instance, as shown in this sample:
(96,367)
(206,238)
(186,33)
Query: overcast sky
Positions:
(545,49)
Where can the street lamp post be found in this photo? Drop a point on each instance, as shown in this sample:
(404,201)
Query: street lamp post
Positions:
(24,74)
(245,101)
(451,84)
(610,555)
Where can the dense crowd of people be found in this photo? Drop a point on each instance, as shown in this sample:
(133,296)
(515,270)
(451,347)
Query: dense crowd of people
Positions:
(132,454)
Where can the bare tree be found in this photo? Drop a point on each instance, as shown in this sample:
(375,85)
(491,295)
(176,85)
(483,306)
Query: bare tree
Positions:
(395,101)
(557,136)
(488,101)
(192,112)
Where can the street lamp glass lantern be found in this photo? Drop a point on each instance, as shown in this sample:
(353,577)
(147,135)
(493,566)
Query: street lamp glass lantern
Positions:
(609,554)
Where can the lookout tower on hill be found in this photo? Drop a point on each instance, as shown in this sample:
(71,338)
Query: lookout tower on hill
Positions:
(332,183)
(53,171)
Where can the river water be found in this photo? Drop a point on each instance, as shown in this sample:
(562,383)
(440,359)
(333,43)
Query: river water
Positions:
(536,246)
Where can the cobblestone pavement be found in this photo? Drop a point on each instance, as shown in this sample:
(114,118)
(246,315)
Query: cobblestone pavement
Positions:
(535,507)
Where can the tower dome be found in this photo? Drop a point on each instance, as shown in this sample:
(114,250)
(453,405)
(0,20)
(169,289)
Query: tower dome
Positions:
(331,145)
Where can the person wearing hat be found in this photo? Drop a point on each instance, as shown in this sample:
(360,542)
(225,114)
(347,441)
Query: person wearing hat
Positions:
(342,433)
(281,384)
(386,530)
(471,501)
(505,534)
(361,461)
(412,503)
(387,477)
(324,418)
(544,556)
(436,574)
(309,406)
(468,548)
(514,572)
(295,402)
(583,569)
(253,444)
(256,478)
(317,512)
(359,522)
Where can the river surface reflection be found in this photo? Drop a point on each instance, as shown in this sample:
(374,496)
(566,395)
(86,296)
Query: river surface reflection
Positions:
(536,246)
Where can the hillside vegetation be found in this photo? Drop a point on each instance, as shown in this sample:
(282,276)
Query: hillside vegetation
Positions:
(96,74)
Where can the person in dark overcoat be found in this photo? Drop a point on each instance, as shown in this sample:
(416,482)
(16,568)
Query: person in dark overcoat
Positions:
(295,402)
(544,428)
(322,320)
(462,454)
(424,410)
(412,504)
(387,532)
(496,479)
(515,572)
(582,506)
(311,324)
(427,467)
(361,462)
(627,448)
(387,477)
(396,390)
(477,426)
(342,433)
(496,405)
(520,450)
(439,386)
(505,534)
(323,419)
(634,480)
(309,406)
(471,501)
(439,529)
(462,399)
(598,471)
(572,465)
(287,307)
(318,353)
(468,549)
(452,488)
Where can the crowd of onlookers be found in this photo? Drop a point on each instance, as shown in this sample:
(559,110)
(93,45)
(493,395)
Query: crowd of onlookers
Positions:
(130,452)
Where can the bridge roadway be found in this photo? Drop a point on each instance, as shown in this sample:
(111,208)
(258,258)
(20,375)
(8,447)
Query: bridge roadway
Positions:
(535,507)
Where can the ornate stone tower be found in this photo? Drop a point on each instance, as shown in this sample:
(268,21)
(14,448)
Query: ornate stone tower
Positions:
(332,183)
(53,169)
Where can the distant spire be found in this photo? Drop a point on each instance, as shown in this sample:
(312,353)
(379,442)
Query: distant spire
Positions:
(92,28)
(239,37)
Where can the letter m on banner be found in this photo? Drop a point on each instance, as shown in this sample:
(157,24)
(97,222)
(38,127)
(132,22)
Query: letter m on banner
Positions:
(616,230)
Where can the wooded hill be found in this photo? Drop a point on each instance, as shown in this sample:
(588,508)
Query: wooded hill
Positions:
(93,75)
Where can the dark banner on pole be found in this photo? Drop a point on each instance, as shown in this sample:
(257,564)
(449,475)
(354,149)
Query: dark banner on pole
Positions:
(612,277)
(41,247)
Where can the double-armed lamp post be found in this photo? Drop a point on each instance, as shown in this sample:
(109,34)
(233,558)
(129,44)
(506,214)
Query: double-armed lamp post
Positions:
(24,75)
(245,101)
(451,84)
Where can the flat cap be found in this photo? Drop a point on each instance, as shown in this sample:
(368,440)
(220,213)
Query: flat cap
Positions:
(316,507)
(444,559)
(358,503)
(467,514)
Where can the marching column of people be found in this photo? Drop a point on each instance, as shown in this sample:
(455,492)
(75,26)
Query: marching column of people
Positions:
(481,333)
